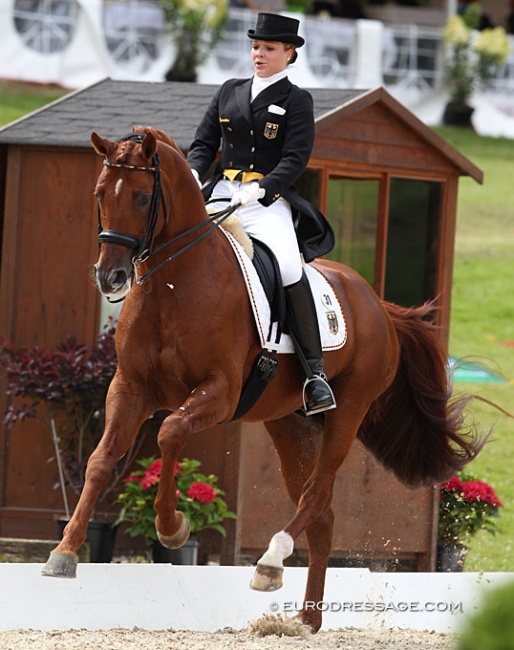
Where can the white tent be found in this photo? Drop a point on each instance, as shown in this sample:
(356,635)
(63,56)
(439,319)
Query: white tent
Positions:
(77,42)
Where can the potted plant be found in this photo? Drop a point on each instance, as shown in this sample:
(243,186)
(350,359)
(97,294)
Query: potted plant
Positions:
(472,61)
(199,498)
(71,381)
(466,506)
(196,26)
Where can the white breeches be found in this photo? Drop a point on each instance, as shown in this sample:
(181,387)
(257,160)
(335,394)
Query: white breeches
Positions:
(272,225)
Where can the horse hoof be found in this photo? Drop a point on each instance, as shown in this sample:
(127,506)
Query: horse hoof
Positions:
(60,565)
(179,538)
(267,578)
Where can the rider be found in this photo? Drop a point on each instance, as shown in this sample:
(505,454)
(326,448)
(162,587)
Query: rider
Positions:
(266,126)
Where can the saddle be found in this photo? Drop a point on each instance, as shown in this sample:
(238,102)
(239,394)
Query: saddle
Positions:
(266,283)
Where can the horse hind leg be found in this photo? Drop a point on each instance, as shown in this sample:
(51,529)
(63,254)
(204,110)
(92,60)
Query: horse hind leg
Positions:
(270,567)
(319,540)
(313,504)
(296,440)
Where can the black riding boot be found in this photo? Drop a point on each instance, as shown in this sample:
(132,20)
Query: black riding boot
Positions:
(303,326)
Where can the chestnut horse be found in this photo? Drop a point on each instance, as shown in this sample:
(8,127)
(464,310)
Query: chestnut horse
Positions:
(186,342)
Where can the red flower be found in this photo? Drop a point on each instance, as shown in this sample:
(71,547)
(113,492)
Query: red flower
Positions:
(202,492)
(453,485)
(132,479)
(475,491)
(155,468)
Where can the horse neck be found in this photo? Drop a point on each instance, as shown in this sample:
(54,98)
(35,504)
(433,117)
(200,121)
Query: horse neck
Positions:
(186,209)
(185,204)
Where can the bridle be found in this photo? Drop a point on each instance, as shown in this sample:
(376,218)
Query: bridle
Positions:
(143,248)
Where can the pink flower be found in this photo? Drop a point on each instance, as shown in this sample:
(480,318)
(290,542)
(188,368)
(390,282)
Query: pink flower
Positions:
(152,475)
(132,479)
(202,492)
(148,480)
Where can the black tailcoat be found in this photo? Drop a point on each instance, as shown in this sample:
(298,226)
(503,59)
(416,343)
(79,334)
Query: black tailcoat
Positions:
(274,136)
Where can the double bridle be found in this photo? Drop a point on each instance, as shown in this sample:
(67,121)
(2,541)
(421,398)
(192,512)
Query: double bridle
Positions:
(143,248)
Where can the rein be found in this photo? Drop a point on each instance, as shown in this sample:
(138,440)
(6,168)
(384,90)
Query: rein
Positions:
(143,248)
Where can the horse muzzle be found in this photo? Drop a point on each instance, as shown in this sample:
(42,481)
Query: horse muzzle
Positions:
(114,283)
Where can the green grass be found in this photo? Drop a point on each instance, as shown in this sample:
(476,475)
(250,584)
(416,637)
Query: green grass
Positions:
(482,319)
(17,99)
(482,304)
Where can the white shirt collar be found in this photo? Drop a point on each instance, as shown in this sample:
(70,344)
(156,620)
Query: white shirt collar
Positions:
(260,83)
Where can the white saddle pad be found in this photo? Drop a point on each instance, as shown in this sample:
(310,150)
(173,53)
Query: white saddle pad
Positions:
(330,315)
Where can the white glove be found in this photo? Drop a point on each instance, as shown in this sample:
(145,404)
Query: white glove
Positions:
(197,177)
(248,193)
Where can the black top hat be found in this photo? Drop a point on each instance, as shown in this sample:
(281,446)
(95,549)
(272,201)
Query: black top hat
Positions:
(273,27)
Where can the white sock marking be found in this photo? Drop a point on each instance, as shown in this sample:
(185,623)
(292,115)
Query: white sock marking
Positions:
(280,547)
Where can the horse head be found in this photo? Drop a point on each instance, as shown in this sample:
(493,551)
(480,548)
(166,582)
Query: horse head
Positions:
(130,207)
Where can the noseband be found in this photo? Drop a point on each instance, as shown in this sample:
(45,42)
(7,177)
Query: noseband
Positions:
(142,248)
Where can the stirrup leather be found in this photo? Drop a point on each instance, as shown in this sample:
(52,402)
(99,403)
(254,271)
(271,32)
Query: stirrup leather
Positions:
(318,377)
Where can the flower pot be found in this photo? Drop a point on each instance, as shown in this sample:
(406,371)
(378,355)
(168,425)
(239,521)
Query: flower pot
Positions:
(101,536)
(457,114)
(187,554)
(450,558)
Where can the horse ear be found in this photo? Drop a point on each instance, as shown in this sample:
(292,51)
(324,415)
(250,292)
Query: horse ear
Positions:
(149,145)
(102,146)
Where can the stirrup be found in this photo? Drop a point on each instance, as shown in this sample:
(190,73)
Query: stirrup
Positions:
(327,404)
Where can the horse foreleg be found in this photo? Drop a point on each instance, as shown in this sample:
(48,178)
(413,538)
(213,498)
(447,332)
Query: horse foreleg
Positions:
(205,407)
(121,428)
(170,524)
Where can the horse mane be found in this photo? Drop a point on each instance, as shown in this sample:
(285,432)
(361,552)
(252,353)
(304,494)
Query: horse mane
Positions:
(160,136)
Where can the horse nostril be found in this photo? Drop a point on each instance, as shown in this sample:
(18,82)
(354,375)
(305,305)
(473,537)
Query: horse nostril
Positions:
(118,278)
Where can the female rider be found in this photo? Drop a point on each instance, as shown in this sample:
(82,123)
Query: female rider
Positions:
(266,127)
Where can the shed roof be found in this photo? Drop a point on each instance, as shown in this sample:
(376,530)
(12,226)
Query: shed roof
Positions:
(112,107)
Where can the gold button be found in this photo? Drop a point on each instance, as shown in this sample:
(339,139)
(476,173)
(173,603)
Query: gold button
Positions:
(251,166)
(252,149)
(230,164)
(251,131)
(229,128)
(231,145)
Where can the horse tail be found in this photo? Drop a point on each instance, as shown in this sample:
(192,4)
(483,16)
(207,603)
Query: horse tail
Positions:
(414,429)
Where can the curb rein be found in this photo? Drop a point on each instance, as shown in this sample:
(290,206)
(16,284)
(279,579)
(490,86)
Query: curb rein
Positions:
(143,248)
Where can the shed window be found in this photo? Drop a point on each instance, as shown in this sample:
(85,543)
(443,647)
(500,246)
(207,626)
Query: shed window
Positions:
(352,206)
(412,241)
(45,25)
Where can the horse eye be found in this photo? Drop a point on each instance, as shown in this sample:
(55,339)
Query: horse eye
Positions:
(142,200)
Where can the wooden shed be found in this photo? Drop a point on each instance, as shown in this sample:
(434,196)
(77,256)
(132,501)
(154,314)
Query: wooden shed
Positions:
(387,183)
